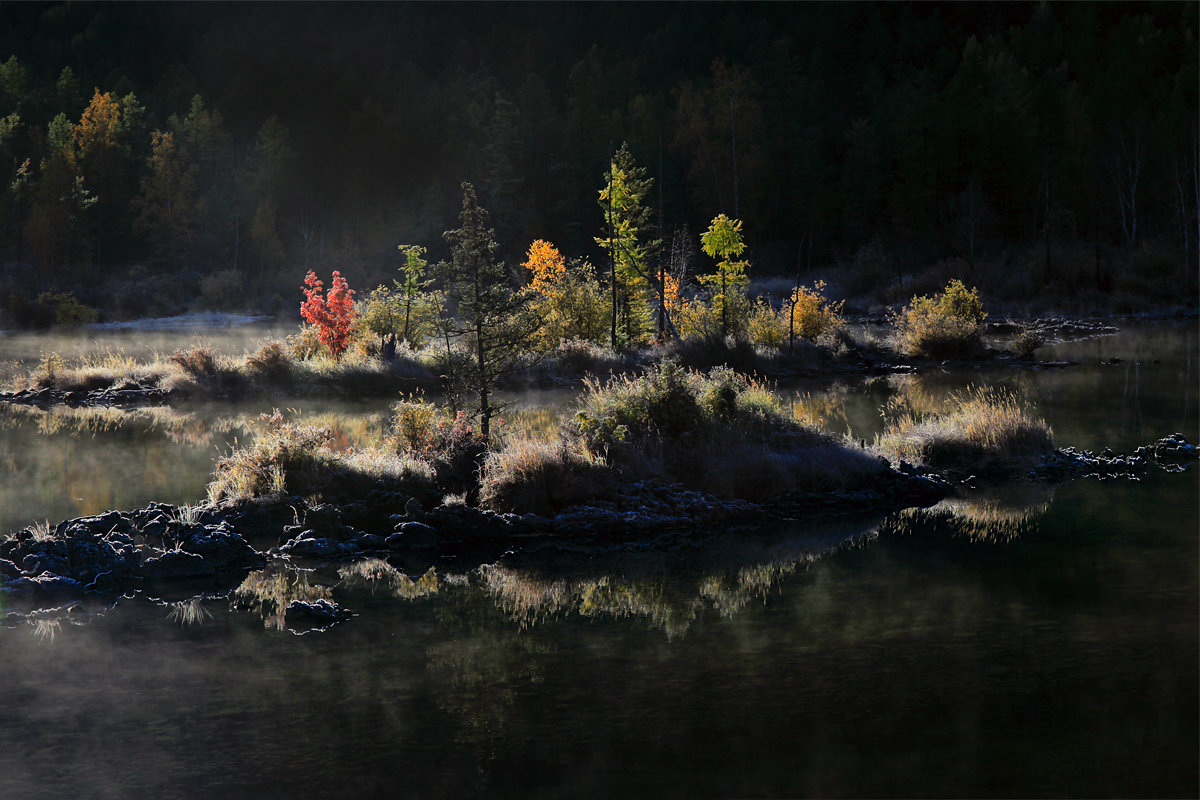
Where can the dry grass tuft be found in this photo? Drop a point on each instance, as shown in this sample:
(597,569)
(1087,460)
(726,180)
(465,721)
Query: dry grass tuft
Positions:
(542,477)
(290,458)
(984,431)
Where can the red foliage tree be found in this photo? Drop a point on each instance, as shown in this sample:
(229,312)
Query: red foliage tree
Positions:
(332,314)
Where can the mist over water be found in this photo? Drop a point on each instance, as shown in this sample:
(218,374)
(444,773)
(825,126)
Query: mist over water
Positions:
(1030,640)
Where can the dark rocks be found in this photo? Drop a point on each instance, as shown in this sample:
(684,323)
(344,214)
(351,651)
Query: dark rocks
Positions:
(223,547)
(320,615)
(414,535)
(177,565)
(46,586)
(1171,453)
(308,545)
(111,396)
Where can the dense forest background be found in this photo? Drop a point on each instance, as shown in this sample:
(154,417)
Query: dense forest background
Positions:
(155,156)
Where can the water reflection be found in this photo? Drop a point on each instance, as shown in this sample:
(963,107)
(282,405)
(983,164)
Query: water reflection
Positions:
(268,593)
(379,577)
(189,612)
(993,515)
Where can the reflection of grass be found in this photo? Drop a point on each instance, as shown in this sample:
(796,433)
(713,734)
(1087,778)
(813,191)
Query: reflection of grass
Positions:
(998,514)
(826,410)
(189,612)
(670,607)
(180,427)
(46,629)
(376,573)
(270,592)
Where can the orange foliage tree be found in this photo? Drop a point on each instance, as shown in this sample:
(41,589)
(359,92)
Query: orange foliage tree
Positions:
(332,314)
(547,265)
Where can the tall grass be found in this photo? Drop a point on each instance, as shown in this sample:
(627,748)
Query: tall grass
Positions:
(291,458)
(985,430)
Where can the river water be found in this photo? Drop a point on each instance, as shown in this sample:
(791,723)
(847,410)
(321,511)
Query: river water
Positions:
(1030,641)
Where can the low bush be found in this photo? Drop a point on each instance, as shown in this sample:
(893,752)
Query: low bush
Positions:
(809,314)
(451,445)
(49,371)
(198,362)
(223,290)
(578,357)
(271,361)
(63,310)
(946,325)
(984,431)
(764,326)
(1026,342)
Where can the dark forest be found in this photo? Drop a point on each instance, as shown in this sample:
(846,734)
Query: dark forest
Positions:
(158,156)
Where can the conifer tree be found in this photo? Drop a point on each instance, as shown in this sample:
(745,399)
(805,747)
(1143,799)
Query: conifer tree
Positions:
(494,322)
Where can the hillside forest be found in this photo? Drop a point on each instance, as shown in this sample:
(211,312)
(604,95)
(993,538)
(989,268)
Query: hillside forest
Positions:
(156,157)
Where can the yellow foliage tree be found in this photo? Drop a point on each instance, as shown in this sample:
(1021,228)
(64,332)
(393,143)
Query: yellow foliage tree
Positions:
(567,296)
(547,266)
(723,242)
(810,314)
(98,128)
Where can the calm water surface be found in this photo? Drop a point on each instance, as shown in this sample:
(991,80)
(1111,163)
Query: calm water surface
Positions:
(1035,641)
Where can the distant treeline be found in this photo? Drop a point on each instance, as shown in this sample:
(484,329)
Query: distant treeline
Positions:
(214,147)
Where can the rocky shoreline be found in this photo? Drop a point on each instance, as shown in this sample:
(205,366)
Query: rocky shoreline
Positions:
(211,549)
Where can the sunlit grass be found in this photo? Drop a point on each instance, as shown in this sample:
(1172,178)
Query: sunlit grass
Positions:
(201,370)
(288,457)
(984,429)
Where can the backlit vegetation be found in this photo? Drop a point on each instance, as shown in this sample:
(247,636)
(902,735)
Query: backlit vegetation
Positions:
(985,430)
(946,325)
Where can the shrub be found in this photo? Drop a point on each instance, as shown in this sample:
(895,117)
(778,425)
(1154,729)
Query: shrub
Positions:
(305,344)
(283,457)
(809,314)
(332,315)
(700,318)
(415,424)
(660,403)
(1026,342)
(568,297)
(291,458)
(49,371)
(63,310)
(763,325)
(199,362)
(721,432)
(384,314)
(223,290)
(452,445)
(580,356)
(272,361)
(946,325)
